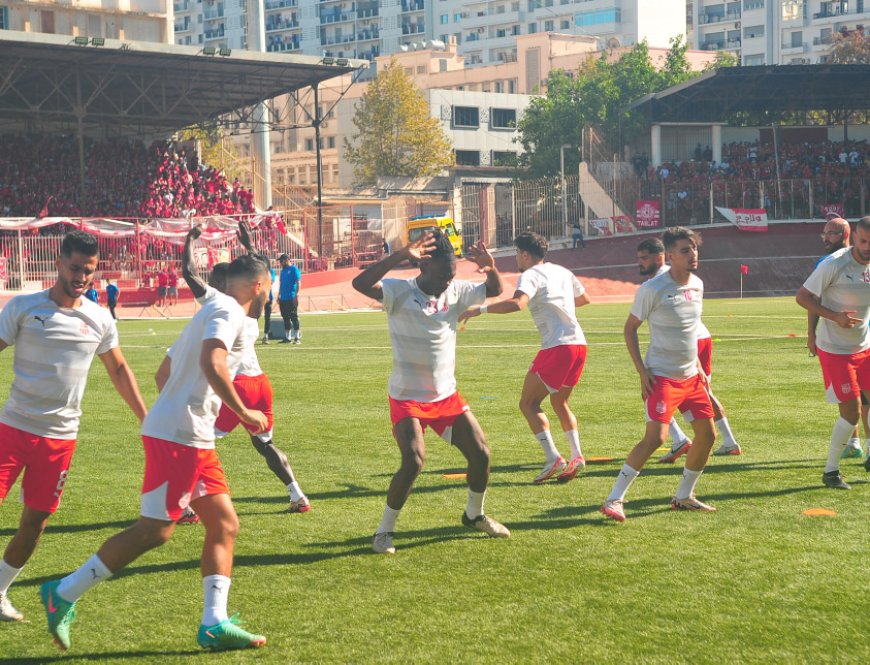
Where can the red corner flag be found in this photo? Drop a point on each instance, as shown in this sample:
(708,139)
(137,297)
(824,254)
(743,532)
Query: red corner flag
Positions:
(744,269)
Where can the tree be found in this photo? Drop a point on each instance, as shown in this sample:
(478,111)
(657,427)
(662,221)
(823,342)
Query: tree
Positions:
(852,48)
(214,150)
(395,134)
(723,59)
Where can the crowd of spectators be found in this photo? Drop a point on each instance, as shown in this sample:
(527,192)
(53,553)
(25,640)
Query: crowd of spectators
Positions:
(824,173)
(40,177)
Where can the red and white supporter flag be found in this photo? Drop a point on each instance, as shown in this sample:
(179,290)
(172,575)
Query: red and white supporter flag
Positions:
(648,214)
(746,219)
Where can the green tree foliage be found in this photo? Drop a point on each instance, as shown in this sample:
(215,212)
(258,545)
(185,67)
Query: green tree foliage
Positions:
(599,94)
(214,150)
(395,135)
(723,59)
(851,49)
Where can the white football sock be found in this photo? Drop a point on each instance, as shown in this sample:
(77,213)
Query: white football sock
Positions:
(295,492)
(678,436)
(687,484)
(854,442)
(474,507)
(216,589)
(623,482)
(388,521)
(839,437)
(545,439)
(7,576)
(724,428)
(87,577)
(573,437)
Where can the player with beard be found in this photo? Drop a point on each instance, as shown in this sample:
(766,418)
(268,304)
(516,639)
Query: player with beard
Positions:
(838,291)
(651,263)
(422,315)
(182,466)
(671,377)
(56,334)
(551,293)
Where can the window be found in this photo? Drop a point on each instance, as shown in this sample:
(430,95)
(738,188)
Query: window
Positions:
(548,26)
(466,116)
(503,118)
(512,86)
(797,39)
(442,65)
(503,158)
(467,158)
(421,69)
(499,86)
(445,19)
(457,17)
(4,18)
(753,60)
(309,144)
(565,25)
(330,141)
(753,31)
(583,19)
(533,28)
(753,4)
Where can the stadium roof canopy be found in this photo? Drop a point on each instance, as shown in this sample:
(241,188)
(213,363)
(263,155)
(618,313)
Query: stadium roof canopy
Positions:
(50,84)
(714,96)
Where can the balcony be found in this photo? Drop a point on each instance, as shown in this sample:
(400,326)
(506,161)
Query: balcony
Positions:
(181,27)
(412,28)
(281,24)
(279,4)
(791,48)
(212,14)
(279,45)
(368,33)
(413,5)
(335,17)
(214,34)
(181,6)
(827,39)
(712,46)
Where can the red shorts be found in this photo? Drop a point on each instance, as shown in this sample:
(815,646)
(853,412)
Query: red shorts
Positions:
(705,354)
(688,395)
(439,415)
(255,393)
(560,366)
(175,475)
(845,375)
(45,463)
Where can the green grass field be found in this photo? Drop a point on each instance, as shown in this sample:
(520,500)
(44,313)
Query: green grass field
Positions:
(756,581)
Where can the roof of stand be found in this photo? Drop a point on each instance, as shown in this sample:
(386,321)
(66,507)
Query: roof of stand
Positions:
(713,96)
(48,83)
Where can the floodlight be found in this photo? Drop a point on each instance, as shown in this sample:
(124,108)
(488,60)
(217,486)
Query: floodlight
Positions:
(209,50)
(225,52)
(328,60)
(341,62)
(98,41)
(80,41)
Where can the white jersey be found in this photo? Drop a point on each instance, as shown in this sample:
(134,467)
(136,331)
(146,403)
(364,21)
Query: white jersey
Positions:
(423,334)
(551,290)
(673,312)
(843,285)
(703,333)
(187,407)
(249,364)
(54,348)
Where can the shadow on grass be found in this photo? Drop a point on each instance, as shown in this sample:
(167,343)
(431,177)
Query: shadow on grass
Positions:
(76,528)
(111,655)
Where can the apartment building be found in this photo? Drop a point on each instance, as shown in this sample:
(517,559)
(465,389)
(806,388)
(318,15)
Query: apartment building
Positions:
(134,20)
(776,32)
(485,31)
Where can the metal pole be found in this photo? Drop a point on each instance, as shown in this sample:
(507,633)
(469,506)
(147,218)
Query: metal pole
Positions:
(778,182)
(564,193)
(319,174)
(260,147)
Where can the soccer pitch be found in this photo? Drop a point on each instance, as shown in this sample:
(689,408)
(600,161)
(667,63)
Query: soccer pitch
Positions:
(756,581)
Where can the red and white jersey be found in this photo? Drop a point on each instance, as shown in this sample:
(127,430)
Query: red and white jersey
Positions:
(843,285)
(423,334)
(673,312)
(54,348)
(187,407)
(703,333)
(249,364)
(551,290)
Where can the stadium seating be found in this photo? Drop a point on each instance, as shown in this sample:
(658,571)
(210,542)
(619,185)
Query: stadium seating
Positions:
(39,177)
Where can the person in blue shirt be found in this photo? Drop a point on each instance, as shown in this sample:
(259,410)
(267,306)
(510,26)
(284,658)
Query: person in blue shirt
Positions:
(290,280)
(91,294)
(112,293)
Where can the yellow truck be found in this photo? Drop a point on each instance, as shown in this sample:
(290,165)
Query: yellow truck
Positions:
(420,226)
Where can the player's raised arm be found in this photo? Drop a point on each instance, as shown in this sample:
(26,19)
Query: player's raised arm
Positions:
(485,261)
(188,265)
(244,234)
(124,381)
(514,304)
(368,281)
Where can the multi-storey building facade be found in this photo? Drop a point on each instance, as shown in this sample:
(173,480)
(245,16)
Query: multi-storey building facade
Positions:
(776,32)
(485,31)
(134,20)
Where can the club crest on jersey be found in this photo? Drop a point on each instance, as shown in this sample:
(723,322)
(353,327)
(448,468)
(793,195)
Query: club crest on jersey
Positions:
(661,407)
(431,307)
(84,328)
(846,388)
